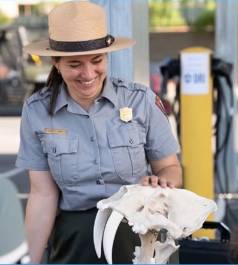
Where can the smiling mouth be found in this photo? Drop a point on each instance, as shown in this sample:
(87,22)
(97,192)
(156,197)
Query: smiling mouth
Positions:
(87,83)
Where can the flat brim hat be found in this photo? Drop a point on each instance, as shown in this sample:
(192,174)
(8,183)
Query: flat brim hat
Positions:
(78,28)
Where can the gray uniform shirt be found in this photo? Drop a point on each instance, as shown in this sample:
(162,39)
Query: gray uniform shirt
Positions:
(91,154)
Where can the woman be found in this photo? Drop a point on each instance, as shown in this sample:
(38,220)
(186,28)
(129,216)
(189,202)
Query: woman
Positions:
(84,136)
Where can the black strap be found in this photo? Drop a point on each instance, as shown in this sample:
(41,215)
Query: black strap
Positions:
(81,46)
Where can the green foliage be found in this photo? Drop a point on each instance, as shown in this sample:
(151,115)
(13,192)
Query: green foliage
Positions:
(37,9)
(162,13)
(4,20)
(206,21)
(197,14)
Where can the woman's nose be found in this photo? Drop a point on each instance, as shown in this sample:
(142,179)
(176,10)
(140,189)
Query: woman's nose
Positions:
(88,72)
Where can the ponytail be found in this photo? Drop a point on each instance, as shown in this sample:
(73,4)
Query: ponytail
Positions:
(53,82)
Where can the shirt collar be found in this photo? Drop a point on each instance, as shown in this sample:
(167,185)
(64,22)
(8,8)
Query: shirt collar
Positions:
(109,92)
(62,99)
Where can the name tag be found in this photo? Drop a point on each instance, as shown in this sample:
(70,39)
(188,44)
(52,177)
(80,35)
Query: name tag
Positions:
(55,131)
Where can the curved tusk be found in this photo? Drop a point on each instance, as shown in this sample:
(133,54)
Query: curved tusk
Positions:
(98,229)
(109,234)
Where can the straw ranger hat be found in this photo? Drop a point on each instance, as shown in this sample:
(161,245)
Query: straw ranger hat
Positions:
(77,28)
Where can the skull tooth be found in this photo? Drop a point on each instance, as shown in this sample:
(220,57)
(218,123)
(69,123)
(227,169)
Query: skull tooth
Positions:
(99,225)
(109,234)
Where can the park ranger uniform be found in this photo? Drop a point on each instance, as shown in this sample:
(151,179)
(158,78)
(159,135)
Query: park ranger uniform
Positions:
(91,154)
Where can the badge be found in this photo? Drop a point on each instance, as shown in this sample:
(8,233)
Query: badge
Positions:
(54,131)
(126,114)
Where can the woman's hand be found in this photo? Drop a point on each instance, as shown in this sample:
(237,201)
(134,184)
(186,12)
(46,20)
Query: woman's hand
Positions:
(156,181)
(166,173)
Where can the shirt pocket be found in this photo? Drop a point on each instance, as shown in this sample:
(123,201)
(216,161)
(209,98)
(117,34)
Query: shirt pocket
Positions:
(126,142)
(62,155)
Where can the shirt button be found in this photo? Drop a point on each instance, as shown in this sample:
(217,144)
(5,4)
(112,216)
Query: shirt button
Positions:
(131,141)
(92,139)
(95,162)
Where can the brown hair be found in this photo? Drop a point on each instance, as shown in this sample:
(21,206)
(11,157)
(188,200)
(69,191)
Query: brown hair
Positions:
(53,83)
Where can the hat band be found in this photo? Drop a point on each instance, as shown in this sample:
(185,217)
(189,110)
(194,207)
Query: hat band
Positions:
(81,46)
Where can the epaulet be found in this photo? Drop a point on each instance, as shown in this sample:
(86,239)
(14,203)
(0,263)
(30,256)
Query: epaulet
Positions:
(138,86)
(119,82)
(39,95)
(129,85)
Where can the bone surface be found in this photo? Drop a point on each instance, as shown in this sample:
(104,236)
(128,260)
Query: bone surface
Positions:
(100,223)
(148,211)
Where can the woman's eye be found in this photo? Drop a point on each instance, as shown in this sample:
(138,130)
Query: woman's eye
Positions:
(73,65)
(97,62)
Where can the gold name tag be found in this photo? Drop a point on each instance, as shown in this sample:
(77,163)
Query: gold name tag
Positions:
(54,131)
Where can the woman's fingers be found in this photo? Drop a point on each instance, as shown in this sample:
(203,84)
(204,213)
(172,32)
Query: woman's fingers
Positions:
(163,182)
(156,181)
(145,181)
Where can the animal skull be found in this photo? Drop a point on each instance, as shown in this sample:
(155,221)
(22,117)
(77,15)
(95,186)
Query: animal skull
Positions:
(149,211)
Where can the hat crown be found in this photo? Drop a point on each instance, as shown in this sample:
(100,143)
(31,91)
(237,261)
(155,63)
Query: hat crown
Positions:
(77,21)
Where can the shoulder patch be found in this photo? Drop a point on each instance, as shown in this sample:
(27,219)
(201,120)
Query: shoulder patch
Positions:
(39,95)
(163,105)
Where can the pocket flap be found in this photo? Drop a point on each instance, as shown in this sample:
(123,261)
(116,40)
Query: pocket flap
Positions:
(57,145)
(124,135)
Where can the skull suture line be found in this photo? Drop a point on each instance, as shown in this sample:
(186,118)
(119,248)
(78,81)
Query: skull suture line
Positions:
(150,210)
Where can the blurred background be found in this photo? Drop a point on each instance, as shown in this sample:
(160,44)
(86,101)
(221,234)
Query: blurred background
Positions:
(162,29)
(173,25)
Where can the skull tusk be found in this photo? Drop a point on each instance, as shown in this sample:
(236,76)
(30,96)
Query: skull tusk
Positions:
(109,234)
(98,229)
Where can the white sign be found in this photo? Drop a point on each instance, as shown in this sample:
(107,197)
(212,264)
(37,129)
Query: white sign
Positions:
(195,73)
